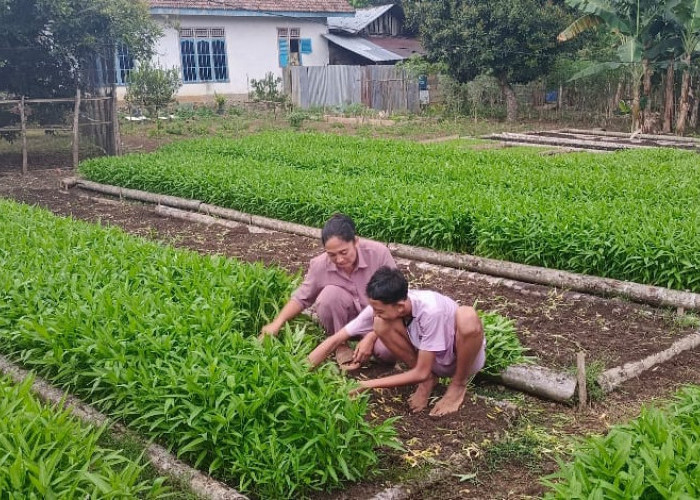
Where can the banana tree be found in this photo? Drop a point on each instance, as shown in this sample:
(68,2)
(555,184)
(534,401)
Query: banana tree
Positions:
(685,15)
(634,23)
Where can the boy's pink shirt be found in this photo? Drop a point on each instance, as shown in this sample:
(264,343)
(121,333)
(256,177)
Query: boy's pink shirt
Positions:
(432,328)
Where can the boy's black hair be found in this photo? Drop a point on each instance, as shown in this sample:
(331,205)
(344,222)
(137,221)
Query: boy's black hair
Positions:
(387,285)
(339,226)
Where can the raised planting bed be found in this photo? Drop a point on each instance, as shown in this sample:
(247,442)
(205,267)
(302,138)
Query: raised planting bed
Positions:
(46,453)
(596,140)
(538,380)
(167,341)
(552,323)
(631,216)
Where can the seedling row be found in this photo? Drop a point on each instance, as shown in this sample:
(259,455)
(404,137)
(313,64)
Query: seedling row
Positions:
(46,453)
(630,215)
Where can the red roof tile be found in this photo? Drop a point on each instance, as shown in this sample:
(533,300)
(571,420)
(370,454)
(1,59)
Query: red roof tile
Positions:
(325,6)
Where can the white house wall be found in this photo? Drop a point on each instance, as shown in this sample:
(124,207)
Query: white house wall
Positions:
(251,49)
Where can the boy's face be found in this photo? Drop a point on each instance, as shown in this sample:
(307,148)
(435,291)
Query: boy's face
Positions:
(388,312)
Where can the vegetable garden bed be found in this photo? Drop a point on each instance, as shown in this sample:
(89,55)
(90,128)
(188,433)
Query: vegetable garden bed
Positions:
(166,340)
(553,324)
(631,215)
(46,453)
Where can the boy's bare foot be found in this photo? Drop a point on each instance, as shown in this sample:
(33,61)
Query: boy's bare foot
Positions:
(451,401)
(419,399)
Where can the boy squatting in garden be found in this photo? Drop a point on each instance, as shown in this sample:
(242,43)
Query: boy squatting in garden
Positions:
(429,332)
(336,282)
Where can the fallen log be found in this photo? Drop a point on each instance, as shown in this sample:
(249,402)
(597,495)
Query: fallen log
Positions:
(648,294)
(161,459)
(562,141)
(623,135)
(540,381)
(610,379)
(208,220)
(595,285)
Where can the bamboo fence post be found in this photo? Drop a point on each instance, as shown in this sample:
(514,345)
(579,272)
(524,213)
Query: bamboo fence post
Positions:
(23,122)
(116,146)
(581,376)
(76,129)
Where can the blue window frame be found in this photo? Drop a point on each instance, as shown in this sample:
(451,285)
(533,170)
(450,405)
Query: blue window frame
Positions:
(203,55)
(123,64)
(291,46)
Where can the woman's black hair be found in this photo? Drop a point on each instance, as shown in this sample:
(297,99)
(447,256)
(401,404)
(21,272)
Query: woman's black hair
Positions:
(387,285)
(339,226)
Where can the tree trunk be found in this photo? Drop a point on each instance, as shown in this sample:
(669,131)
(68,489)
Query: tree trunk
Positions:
(695,97)
(685,94)
(669,101)
(511,101)
(615,104)
(646,90)
(636,115)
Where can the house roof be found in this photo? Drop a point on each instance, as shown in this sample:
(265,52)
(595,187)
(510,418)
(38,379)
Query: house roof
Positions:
(363,17)
(364,48)
(314,7)
(401,45)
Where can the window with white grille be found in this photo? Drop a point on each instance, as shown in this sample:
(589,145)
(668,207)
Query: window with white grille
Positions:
(203,55)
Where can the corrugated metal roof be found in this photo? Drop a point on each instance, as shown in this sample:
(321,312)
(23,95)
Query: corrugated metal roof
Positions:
(364,48)
(401,45)
(362,18)
(312,6)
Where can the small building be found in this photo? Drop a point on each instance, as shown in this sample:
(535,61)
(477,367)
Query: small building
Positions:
(220,45)
(375,35)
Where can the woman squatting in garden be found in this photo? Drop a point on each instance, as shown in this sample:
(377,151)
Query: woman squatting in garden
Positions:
(336,284)
(427,331)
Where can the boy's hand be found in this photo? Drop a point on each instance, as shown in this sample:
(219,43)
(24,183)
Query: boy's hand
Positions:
(364,349)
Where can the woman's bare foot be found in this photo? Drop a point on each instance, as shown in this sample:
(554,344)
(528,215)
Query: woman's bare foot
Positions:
(419,399)
(451,401)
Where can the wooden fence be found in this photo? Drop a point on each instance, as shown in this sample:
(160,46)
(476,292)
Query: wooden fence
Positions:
(93,121)
(384,88)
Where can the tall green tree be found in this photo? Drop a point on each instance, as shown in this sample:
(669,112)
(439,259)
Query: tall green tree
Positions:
(635,23)
(684,16)
(45,45)
(512,40)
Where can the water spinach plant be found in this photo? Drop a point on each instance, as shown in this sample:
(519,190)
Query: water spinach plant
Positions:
(46,453)
(654,456)
(165,340)
(631,215)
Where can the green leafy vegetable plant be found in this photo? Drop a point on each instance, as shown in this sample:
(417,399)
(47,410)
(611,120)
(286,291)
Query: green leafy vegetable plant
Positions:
(631,215)
(166,340)
(46,453)
(654,456)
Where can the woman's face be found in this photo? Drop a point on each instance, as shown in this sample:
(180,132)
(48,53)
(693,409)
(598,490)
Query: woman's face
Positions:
(342,253)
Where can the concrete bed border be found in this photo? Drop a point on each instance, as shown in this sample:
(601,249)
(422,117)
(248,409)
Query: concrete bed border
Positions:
(537,380)
(161,459)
